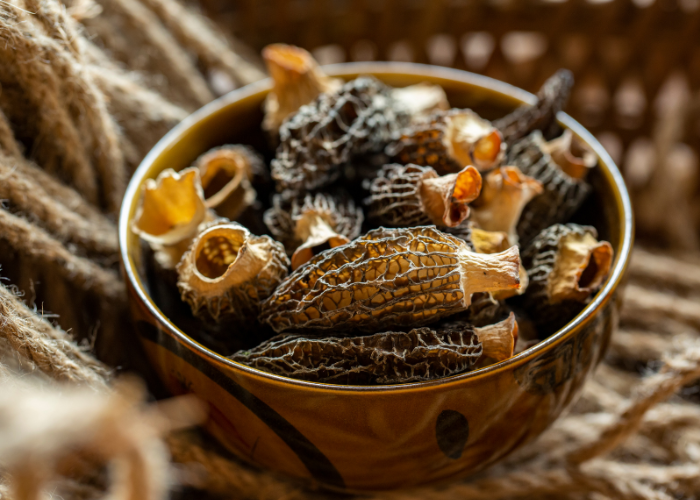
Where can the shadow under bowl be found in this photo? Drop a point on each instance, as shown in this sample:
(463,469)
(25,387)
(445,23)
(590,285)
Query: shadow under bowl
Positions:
(371,438)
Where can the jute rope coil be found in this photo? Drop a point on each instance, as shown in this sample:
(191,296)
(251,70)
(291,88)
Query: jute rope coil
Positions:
(62,170)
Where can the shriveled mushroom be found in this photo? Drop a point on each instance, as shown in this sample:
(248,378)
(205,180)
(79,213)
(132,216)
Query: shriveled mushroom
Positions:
(411,195)
(307,226)
(566,265)
(228,272)
(561,194)
(383,358)
(494,242)
(296,80)
(449,141)
(315,142)
(386,279)
(170,210)
(573,156)
(226,174)
(505,193)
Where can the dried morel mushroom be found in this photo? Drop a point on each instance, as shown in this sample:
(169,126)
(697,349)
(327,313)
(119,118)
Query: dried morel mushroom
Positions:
(296,80)
(382,358)
(388,278)
(542,115)
(565,264)
(562,195)
(449,141)
(321,136)
(307,226)
(170,210)
(573,156)
(411,195)
(505,193)
(226,174)
(228,272)
(485,310)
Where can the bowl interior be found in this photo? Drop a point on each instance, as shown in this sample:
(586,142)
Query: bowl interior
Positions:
(236,119)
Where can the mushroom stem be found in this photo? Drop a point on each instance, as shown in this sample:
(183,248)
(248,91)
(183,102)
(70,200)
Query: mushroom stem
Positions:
(498,340)
(512,292)
(583,264)
(317,236)
(572,155)
(226,174)
(297,80)
(506,192)
(473,140)
(488,272)
(445,198)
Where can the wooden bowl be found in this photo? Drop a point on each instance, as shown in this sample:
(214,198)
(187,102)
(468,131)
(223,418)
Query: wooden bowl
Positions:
(374,438)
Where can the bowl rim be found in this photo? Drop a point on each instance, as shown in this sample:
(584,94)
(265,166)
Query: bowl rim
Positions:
(508,92)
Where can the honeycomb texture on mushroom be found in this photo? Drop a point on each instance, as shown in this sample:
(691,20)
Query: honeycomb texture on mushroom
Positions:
(412,195)
(561,197)
(395,195)
(359,118)
(551,98)
(338,211)
(386,279)
(486,310)
(383,358)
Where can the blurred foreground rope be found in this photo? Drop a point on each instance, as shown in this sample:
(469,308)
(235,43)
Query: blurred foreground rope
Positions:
(87,88)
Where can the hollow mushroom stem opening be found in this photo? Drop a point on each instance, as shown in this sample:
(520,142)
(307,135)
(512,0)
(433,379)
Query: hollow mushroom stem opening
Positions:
(498,340)
(489,241)
(445,198)
(581,267)
(226,174)
(505,193)
(317,236)
(297,80)
(172,206)
(489,272)
(572,155)
(227,255)
(488,151)
(471,140)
